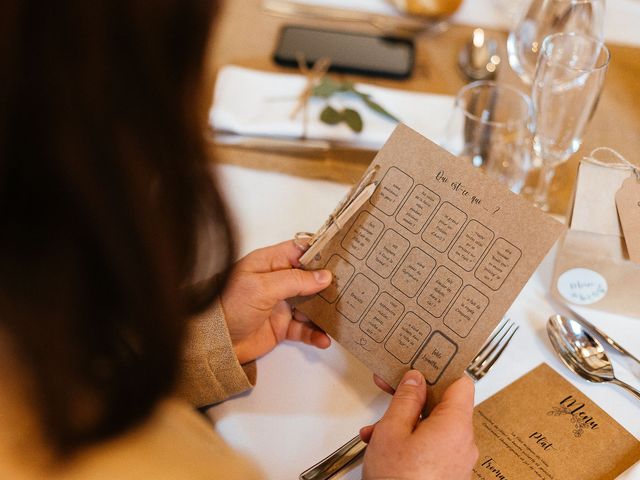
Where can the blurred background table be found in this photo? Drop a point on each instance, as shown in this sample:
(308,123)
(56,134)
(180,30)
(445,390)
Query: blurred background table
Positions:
(245,36)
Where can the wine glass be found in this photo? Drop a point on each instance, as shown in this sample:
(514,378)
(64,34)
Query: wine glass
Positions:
(545,17)
(490,127)
(567,84)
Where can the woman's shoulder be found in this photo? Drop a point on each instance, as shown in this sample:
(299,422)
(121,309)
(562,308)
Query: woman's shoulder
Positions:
(176,442)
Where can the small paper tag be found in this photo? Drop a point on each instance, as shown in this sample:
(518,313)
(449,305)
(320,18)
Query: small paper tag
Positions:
(628,204)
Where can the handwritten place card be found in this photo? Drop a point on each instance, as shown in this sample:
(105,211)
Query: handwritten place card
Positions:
(428,266)
(542,428)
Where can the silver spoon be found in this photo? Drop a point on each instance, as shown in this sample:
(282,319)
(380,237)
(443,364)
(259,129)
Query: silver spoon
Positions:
(593,329)
(581,352)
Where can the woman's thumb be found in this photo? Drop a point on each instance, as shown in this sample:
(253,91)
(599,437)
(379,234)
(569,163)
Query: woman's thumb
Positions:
(283,284)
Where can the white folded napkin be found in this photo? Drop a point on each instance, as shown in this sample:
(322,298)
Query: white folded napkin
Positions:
(620,23)
(257,103)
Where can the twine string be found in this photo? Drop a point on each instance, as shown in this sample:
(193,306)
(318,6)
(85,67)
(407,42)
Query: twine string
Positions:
(314,75)
(621,163)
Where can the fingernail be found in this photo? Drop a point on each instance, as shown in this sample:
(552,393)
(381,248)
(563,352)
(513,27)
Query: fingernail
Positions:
(322,276)
(412,377)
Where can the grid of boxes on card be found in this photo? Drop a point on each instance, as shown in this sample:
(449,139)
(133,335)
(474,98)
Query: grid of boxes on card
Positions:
(409,289)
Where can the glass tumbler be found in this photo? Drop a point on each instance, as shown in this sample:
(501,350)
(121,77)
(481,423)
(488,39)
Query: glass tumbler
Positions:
(490,127)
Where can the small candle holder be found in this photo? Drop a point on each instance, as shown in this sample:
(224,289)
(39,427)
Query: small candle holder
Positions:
(479,60)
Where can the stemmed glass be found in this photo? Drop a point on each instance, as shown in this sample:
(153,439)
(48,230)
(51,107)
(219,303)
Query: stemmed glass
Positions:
(545,17)
(567,84)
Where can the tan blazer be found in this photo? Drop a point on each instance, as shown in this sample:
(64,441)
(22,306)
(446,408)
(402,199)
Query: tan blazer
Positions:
(176,442)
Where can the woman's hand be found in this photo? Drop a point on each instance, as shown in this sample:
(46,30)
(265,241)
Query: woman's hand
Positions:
(441,446)
(254,301)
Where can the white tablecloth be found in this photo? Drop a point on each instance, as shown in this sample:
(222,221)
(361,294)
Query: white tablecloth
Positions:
(307,402)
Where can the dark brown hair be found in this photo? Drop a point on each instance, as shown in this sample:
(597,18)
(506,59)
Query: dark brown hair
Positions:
(104,191)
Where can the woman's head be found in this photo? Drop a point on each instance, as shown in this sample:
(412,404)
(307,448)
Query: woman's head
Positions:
(103,190)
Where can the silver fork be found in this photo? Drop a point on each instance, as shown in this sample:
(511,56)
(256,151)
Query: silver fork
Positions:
(477,369)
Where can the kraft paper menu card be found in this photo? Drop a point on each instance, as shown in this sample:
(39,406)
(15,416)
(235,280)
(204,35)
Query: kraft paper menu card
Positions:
(543,428)
(427,265)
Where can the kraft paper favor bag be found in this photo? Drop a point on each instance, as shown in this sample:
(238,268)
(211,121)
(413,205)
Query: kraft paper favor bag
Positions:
(593,267)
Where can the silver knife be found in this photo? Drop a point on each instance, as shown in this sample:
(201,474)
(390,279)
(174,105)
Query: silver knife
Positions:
(606,337)
(288,145)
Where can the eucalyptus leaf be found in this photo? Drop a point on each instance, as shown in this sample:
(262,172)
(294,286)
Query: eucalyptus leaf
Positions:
(326,88)
(377,108)
(330,116)
(353,119)
(348,86)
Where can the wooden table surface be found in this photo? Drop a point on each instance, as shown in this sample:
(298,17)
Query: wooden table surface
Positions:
(245,36)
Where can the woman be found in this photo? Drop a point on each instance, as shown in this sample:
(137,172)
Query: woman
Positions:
(118,303)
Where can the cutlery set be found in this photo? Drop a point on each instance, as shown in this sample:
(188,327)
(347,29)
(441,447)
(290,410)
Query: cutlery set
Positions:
(576,343)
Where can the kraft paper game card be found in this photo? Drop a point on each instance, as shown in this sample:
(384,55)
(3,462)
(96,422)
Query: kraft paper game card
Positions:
(428,254)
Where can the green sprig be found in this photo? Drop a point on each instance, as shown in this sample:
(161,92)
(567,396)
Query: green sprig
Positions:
(329,115)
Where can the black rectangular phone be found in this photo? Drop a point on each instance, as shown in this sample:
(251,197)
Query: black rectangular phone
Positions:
(349,52)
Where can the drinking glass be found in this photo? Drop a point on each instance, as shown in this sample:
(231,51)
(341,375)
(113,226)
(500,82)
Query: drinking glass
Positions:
(545,17)
(490,127)
(567,84)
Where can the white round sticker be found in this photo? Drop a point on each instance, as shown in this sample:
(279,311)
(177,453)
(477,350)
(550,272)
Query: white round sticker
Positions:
(582,286)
